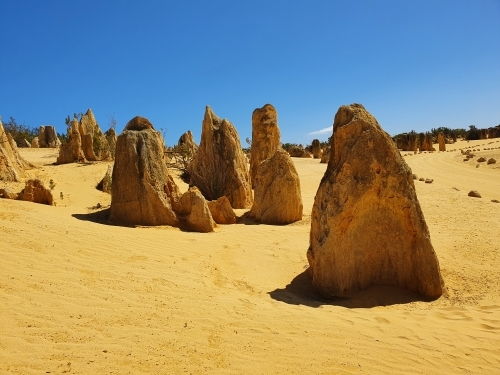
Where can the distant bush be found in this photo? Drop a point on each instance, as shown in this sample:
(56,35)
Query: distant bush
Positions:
(20,132)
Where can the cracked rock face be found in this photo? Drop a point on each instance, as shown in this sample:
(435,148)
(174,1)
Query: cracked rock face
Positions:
(367,227)
(219,168)
(278,199)
(265,137)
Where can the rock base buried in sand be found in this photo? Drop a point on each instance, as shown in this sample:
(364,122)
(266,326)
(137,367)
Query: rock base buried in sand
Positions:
(367,227)
(221,211)
(36,192)
(142,190)
(277,191)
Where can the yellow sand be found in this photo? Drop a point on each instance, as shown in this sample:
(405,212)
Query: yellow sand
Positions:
(80,296)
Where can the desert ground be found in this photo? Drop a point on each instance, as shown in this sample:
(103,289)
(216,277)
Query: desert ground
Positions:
(79,295)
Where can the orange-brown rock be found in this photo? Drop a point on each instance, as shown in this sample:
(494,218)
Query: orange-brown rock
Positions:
(265,137)
(222,211)
(219,168)
(187,142)
(277,198)
(12,165)
(8,194)
(47,137)
(316,149)
(425,142)
(367,227)
(36,192)
(326,155)
(87,142)
(193,212)
(441,142)
(35,143)
(142,190)
(71,151)
(296,151)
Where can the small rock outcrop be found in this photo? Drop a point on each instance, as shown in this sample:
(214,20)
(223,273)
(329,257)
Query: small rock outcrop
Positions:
(12,165)
(87,142)
(71,151)
(474,194)
(222,211)
(105,184)
(441,142)
(298,152)
(278,199)
(326,155)
(316,149)
(8,194)
(425,142)
(491,161)
(219,168)
(35,143)
(193,212)
(47,137)
(367,227)
(265,137)
(36,192)
(186,141)
(142,190)
(407,142)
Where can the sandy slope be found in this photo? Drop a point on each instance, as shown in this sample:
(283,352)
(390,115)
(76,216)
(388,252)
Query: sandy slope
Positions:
(80,296)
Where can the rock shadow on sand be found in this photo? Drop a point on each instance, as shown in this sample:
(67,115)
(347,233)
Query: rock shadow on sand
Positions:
(300,291)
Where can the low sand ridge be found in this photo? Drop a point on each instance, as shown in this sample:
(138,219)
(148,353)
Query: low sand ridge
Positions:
(80,296)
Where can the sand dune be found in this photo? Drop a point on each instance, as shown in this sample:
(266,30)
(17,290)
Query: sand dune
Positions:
(80,296)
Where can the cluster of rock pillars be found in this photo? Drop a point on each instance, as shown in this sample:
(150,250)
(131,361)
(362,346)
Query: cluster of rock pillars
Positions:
(367,227)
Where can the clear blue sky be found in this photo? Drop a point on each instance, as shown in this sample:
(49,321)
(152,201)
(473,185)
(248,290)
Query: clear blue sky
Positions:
(414,64)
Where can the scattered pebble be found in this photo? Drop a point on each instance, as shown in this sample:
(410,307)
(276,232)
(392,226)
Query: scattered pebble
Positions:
(474,193)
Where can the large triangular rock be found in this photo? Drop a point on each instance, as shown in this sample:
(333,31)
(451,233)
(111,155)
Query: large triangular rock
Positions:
(277,197)
(12,165)
(142,190)
(367,227)
(265,137)
(220,167)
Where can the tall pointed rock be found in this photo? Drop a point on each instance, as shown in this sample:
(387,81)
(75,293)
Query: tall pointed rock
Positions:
(367,227)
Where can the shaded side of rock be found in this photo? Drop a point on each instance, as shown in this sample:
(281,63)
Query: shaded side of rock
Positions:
(105,184)
(474,194)
(326,155)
